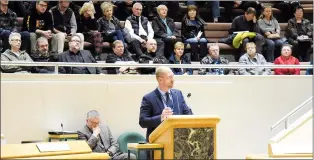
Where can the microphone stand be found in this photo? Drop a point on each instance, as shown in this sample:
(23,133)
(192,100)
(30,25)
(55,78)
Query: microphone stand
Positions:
(63,132)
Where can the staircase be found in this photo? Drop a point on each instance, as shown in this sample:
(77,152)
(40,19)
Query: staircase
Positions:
(295,140)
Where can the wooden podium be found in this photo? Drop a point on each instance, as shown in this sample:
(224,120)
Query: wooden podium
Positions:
(187,137)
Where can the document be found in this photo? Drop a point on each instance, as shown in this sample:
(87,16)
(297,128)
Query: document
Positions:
(199,34)
(53,147)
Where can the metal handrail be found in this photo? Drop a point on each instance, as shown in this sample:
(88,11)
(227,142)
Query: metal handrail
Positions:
(286,117)
(67,64)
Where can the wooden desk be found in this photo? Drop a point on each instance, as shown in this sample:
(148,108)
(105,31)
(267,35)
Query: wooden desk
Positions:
(145,147)
(62,137)
(76,156)
(30,150)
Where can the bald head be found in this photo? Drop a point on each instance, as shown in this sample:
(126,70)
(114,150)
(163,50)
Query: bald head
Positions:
(164,76)
(151,46)
(137,9)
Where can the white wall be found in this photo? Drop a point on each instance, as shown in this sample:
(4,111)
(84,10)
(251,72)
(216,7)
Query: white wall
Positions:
(248,105)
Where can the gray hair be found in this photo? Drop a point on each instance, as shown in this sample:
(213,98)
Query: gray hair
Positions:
(76,35)
(286,45)
(92,114)
(160,7)
(161,70)
(14,34)
(41,39)
(213,45)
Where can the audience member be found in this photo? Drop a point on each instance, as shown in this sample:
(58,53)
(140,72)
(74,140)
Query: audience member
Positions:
(244,5)
(38,21)
(179,58)
(214,5)
(111,28)
(124,9)
(286,59)
(165,30)
(213,57)
(139,28)
(8,25)
(192,32)
(42,54)
(300,34)
(64,23)
(87,24)
(99,137)
(15,54)
(253,58)
(247,22)
(270,28)
(151,57)
(119,57)
(17,7)
(286,8)
(76,55)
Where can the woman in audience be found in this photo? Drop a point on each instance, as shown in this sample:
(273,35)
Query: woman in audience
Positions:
(87,24)
(178,58)
(286,59)
(271,30)
(192,32)
(110,26)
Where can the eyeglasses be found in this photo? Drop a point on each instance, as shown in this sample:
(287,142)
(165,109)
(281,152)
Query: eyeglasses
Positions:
(16,40)
(78,41)
(42,5)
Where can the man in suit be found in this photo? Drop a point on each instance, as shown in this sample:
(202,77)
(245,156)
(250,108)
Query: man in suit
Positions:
(162,102)
(75,55)
(99,137)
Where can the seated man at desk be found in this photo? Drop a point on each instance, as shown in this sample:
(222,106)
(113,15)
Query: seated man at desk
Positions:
(99,137)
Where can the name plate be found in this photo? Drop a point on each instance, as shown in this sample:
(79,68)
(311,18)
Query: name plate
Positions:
(53,147)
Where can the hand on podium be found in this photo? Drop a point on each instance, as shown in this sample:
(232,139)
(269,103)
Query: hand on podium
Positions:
(165,113)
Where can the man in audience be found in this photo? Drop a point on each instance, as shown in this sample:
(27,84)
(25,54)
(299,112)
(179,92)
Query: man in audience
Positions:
(42,54)
(300,34)
(248,22)
(165,30)
(151,57)
(253,58)
(161,103)
(38,21)
(119,57)
(15,54)
(99,137)
(64,23)
(213,57)
(286,59)
(139,28)
(9,24)
(75,55)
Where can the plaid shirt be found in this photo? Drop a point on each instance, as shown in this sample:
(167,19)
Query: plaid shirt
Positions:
(8,21)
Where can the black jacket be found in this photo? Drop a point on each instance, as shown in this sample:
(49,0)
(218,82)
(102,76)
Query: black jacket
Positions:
(85,25)
(179,71)
(160,29)
(113,58)
(292,31)
(146,57)
(190,30)
(241,24)
(50,57)
(87,58)
(33,21)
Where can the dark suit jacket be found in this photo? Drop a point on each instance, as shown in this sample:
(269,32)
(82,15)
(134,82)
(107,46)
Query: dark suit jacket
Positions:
(113,58)
(87,58)
(160,29)
(109,142)
(152,107)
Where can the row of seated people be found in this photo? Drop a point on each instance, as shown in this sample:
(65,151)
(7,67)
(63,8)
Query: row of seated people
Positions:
(222,10)
(39,22)
(76,55)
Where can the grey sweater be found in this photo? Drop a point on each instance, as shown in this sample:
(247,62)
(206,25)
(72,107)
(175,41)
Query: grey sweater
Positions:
(271,26)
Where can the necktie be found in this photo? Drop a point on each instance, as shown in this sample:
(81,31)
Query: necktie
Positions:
(169,101)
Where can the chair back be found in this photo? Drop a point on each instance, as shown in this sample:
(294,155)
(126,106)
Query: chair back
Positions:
(129,137)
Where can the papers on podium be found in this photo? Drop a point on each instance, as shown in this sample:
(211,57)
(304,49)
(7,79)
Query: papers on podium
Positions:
(53,147)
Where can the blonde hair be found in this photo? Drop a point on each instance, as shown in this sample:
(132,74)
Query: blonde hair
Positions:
(179,45)
(106,5)
(86,6)
(250,44)
(263,16)
(160,7)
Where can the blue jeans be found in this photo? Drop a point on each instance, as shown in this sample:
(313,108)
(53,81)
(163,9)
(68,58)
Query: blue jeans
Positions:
(25,37)
(272,46)
(214,5)
(197,52)
(118,35)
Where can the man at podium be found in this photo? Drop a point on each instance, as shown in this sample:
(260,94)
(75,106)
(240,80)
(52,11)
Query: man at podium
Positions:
(162,102)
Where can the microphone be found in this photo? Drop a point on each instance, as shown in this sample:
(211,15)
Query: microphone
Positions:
(189,95)
(62,132)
